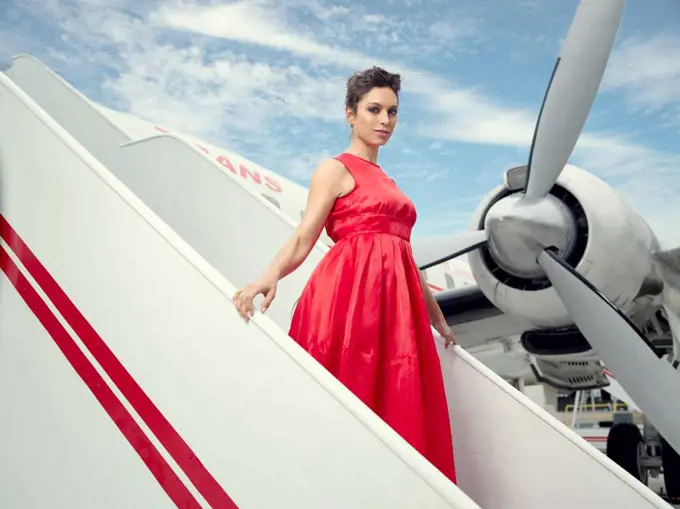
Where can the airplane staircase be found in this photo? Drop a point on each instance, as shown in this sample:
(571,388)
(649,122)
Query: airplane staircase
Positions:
(146,250)
(128,379)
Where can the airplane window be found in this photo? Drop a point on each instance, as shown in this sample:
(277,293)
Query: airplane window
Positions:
(272,200)
(450,283)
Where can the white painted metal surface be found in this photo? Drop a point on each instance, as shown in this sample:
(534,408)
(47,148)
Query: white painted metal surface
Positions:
(68,106)
(230,226)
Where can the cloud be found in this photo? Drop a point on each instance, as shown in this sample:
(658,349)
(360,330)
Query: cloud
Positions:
(190,88)
(167,64)
(302,166)
(452,220)
(250,22)
(618,156)
(648,72)
(176,80)
(423,173)
(656,200)
(258,23)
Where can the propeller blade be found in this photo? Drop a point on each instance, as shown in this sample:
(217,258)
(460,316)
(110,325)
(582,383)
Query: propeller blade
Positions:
(621,346)
(431,251)
(571,91)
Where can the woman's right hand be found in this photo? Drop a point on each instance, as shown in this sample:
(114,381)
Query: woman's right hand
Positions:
(243,298)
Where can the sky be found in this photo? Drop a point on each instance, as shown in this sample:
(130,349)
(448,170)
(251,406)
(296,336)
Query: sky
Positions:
(266,79)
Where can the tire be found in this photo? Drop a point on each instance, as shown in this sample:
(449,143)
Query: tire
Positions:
(670,461)
(623,447)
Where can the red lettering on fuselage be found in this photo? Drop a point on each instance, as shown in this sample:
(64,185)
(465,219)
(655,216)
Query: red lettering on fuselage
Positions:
(253,174)
(272,184)
(244,172)
(224,161)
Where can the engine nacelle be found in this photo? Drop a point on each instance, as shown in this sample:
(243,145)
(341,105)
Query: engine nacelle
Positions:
(612,248)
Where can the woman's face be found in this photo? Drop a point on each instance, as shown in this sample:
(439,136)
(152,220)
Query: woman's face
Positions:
(376,116)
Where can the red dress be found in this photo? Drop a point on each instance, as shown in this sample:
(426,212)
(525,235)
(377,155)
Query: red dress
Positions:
(363,317)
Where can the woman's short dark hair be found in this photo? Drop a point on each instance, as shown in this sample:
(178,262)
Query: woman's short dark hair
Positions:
(364,81)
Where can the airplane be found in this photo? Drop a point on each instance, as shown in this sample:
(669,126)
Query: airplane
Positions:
(541,278)
(555,355)
(541,288)
(539,264)
(539,298)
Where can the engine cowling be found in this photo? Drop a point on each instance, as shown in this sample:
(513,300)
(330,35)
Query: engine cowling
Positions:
(610,245)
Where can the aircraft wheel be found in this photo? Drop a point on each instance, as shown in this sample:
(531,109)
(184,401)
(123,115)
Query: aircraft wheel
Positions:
(670,461)
(624,447)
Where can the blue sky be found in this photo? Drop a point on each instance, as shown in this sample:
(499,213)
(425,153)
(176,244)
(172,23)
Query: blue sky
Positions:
(266,79)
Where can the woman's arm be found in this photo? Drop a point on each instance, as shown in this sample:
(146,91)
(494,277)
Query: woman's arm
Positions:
(328,183)
(433,309)
(437,319)
(326,186)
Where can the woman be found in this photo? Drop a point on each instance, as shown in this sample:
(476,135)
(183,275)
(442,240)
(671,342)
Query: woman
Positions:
(365,313)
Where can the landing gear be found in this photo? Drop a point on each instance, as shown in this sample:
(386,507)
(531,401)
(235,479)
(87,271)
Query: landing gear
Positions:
(644,455)
(671,471)
(626,448)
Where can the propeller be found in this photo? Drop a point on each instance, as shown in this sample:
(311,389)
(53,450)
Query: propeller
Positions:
(528,233)
(567,102)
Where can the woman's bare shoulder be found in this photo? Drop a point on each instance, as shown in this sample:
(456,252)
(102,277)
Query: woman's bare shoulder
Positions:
(329,170)
(331,166)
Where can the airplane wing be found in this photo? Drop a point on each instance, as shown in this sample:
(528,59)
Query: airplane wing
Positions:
(465,304)
(474,319)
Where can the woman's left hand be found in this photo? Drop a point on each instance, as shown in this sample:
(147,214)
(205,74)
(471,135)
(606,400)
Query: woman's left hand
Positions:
(445,331)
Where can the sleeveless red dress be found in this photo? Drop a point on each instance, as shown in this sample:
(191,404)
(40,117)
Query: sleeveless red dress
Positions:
(363,317)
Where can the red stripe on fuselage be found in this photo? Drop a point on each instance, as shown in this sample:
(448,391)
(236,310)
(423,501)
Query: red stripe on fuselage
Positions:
(150,414)
(160,469)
